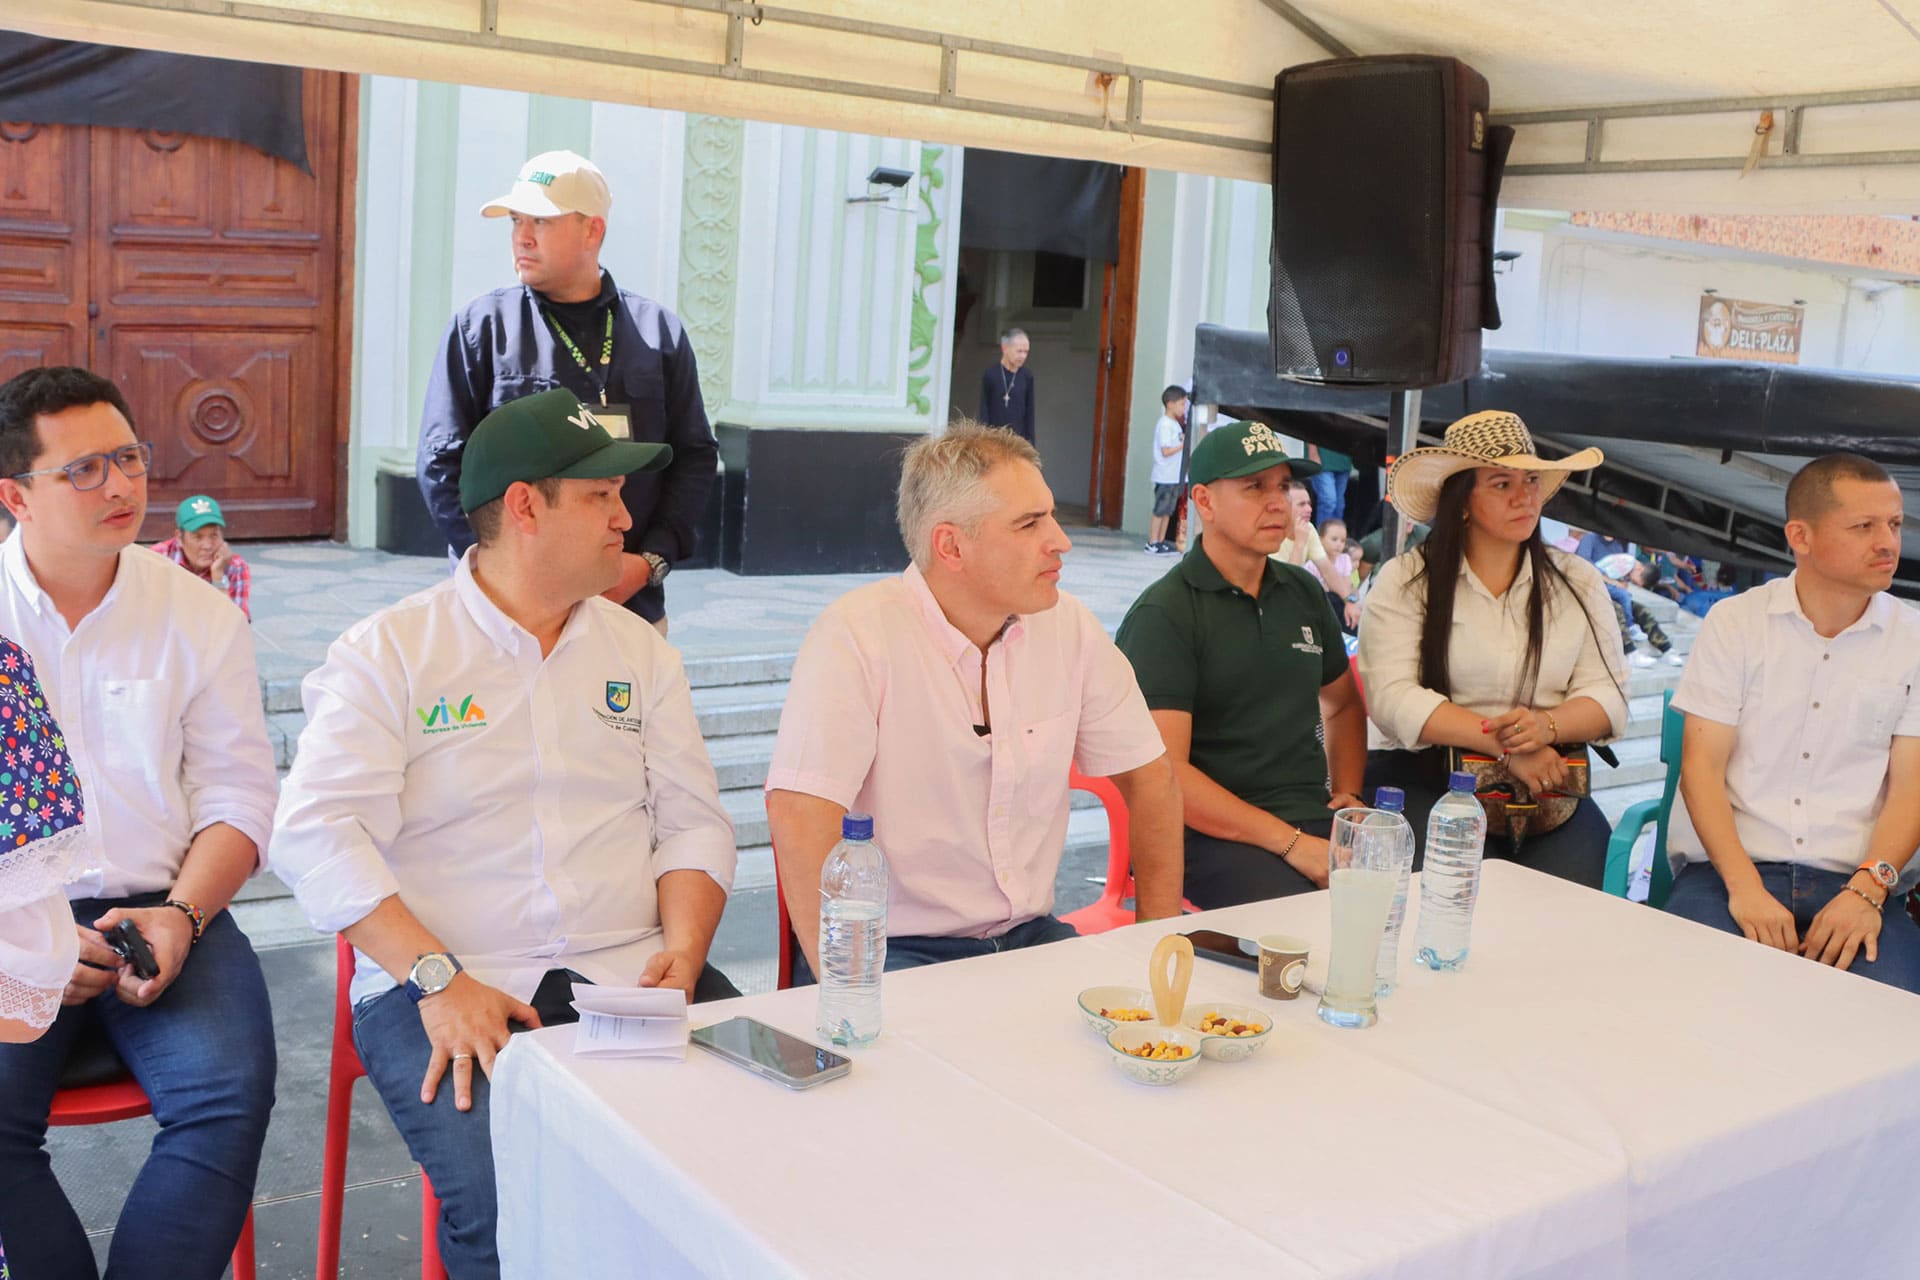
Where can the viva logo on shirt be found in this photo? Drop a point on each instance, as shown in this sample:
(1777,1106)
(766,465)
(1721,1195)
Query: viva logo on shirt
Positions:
(442,717)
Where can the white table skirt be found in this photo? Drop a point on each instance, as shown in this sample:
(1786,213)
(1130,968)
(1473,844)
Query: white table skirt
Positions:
(1606,1091)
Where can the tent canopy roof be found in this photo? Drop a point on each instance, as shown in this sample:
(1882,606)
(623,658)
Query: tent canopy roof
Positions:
(1651,85)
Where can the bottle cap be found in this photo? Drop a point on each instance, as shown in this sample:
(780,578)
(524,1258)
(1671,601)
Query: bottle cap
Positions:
(1392,799)
(1461,781)
(857,826)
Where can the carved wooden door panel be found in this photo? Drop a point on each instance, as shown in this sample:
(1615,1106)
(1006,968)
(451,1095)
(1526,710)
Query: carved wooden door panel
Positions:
(43,246)
(215,273)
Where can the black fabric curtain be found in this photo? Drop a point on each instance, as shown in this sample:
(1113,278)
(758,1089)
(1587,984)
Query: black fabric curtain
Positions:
(63,82)
(1042,204)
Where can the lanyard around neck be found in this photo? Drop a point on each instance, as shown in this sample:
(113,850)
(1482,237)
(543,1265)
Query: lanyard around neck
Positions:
(579,358)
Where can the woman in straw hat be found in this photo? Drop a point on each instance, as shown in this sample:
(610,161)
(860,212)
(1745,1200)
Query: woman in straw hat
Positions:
(1487,639)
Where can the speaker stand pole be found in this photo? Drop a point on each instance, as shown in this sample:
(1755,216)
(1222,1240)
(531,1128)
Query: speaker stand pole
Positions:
(1403,436)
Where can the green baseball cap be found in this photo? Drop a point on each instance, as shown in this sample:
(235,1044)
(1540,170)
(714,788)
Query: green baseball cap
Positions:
(197,511)
(1242,449)
(549,436)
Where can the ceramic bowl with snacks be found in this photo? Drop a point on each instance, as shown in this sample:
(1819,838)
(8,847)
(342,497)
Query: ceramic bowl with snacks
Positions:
(1232,1032)
(1105,1008)
(1149,1053)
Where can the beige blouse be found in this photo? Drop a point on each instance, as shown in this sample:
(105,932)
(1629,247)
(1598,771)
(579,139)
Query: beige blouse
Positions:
(1580,657)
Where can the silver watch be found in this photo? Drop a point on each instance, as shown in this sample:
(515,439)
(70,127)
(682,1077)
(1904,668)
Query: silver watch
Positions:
(658,567)
(431,974)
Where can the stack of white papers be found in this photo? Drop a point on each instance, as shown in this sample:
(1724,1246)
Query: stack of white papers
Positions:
(630,1022)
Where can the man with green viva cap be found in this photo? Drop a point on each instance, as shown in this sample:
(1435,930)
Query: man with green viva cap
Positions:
(502,791)
(199,545)
(1244,669)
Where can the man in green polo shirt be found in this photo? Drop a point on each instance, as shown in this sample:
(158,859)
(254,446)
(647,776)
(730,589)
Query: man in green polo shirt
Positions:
(1242,663)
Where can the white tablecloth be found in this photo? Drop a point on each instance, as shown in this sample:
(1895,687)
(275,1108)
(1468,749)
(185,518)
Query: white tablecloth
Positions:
(1606,1091)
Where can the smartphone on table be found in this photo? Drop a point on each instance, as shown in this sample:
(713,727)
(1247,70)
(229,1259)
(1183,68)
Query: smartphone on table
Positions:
(770,1052)
(1242,953)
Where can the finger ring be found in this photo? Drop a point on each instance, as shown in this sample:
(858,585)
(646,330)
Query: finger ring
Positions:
(458,1056)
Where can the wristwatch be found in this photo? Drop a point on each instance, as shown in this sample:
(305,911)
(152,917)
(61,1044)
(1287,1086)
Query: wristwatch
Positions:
(431,974)
(1883,873)
(658,566)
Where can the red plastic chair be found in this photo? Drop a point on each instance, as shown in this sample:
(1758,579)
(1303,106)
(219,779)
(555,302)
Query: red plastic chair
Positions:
(342,1071)
(121,1098)
(1105,912)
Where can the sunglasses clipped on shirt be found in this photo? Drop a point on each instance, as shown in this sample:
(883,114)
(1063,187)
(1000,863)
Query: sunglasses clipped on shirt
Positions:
(90,472)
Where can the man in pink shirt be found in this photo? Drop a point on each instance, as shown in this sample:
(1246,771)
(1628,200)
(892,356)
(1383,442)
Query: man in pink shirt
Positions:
(950,703)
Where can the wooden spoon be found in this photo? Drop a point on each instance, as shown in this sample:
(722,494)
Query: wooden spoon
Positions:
(1170,993)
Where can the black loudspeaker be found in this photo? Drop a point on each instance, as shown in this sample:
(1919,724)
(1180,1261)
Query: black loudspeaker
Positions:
(1386,176)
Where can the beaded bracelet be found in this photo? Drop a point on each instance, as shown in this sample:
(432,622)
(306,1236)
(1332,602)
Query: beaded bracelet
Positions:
(194,914)
(1877,906)
(1297,833)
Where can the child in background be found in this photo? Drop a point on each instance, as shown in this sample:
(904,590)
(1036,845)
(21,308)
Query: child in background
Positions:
(1342,591)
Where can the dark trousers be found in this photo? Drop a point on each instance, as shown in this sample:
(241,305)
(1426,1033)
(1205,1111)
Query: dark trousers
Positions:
(1226,873)
(910,952)
(1576,850)
(203,1052)
(456,1147)
(1700,895)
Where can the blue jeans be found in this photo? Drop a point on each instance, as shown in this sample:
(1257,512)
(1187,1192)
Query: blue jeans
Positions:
(910,952)
(204,1054)
(1329,490)
(456,1147)
(1700,895)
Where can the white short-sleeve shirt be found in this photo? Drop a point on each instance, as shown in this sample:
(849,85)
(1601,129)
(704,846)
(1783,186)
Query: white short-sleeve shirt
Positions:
(1816,718)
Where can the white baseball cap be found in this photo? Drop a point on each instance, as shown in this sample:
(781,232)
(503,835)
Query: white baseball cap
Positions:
(553,183)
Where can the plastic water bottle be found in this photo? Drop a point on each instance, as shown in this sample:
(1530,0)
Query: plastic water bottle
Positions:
(1393,800)
(853,935)
(1450,878)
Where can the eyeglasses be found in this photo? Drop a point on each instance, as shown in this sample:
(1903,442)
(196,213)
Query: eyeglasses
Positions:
(90,472)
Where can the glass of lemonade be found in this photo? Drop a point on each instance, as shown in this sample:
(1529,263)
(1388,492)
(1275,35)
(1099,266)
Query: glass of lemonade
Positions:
(1362,861)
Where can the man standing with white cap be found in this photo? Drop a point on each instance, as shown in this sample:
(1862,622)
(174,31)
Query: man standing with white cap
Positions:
(566,324)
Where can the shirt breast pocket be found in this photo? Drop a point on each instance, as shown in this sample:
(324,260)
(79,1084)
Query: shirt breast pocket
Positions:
(135,726)
(646,395)
(1875,710)
(1049,746)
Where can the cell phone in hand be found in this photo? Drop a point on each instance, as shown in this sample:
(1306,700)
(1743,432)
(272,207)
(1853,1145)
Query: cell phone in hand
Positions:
(131,945)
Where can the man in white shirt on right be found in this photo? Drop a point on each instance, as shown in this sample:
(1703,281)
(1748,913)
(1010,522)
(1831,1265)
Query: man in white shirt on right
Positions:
(1800,775)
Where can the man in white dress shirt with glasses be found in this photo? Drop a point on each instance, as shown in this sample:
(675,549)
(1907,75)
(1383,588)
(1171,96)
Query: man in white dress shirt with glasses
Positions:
(501,790)
(150,673)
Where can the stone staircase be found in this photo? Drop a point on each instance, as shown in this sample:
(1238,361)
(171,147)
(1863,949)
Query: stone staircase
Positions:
(738,697)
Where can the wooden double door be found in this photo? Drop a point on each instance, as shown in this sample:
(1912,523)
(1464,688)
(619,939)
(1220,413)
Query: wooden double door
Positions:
(212,283)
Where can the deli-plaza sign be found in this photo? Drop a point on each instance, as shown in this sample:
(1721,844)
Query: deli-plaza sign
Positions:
(1730,329)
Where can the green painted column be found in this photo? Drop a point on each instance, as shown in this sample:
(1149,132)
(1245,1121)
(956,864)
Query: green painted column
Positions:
(710,250)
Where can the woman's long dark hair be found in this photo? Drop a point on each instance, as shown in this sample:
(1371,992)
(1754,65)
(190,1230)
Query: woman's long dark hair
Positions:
(1440,558)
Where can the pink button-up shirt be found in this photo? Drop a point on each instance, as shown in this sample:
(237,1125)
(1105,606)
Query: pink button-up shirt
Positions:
(879,718)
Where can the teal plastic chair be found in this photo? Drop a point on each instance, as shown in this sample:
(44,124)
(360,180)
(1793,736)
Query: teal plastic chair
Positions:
(1634,821)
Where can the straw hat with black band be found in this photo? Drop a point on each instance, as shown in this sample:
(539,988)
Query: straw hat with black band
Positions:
(1491,438)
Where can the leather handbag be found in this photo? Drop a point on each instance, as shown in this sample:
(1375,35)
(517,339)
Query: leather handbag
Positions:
(1515,811)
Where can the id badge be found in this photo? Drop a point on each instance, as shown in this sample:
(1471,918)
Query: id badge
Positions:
(616,418)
